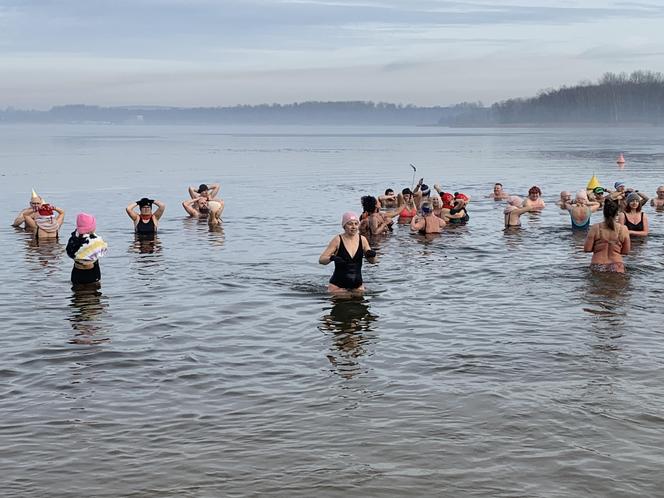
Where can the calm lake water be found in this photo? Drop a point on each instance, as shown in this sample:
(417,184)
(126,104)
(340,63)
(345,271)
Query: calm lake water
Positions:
(479,363)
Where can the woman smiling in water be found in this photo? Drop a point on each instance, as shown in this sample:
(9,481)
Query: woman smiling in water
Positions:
(347,250)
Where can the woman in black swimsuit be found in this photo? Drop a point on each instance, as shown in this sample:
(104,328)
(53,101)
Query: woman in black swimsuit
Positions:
(633,218)
(347,251)
(145,222)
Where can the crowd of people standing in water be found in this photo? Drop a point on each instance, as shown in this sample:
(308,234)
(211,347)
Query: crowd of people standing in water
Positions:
(86,247)
(425,210)
(429,213)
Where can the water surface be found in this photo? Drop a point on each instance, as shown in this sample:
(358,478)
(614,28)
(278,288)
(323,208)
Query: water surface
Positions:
(480,362)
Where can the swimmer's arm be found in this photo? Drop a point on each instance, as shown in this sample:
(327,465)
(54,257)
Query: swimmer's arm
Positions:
(521,210)
(189,208)
(455,213)
(644,198)
(626,243)
(30,222)
(594,206)
(417,187)
(652,202)
(192,192)
(621,218)
(213,188)
(331,249)
(366,247)
(61,215)
(161,207)
(439,189)
(130,211)
(417,223)
(589,244)
(20,218)
(615,196)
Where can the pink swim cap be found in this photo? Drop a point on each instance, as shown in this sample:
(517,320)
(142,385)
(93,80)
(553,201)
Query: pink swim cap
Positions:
(85,223)
(515,201)
(348,216)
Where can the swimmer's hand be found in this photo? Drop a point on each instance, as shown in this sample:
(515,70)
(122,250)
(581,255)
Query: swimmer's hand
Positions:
(335,258)
(370,253)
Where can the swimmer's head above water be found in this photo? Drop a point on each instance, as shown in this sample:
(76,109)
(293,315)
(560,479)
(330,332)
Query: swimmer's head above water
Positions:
(85,223)
(145,206)
(581,197)
(35,200)
(349,216)
(369,204)
(514,202)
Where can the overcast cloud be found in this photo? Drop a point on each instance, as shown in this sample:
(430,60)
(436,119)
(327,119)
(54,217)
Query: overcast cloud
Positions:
(209,53)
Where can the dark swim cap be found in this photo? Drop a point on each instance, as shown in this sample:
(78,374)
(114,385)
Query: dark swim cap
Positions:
(406,191)
(145,202)
(202,188)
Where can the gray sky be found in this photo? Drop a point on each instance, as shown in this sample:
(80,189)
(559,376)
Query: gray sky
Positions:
(226,52)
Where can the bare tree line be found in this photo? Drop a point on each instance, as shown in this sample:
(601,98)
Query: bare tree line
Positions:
(636,98)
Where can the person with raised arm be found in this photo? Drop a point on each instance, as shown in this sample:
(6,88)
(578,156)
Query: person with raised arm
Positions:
(633,218)
(145,221)
(427,222)
(514,210)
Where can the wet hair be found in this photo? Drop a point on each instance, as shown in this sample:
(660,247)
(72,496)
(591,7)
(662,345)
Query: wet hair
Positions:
(534,190)
(389,191)
(610,211)
(496,184)
(202,188)
(406,191)
(369,204)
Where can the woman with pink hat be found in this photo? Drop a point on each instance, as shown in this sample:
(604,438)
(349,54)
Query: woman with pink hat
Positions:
(347,250)
(85,247)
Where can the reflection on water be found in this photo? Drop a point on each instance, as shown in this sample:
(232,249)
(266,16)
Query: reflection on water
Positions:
(86,310)
(513,237)
(216,235)
(44,254)
(350,322)
(605,294)
(146,244)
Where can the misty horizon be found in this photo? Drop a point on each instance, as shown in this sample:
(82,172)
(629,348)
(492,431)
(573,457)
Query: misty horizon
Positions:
(202,53)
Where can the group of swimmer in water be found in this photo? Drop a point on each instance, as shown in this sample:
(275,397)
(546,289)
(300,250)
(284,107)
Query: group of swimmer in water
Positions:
(428,213)
(425,212)
(86,247)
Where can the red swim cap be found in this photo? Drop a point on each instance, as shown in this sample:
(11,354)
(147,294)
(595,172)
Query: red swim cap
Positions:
(45,210)
(461,196)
